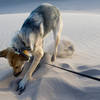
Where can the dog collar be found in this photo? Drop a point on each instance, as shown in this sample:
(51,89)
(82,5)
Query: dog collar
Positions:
(24,53)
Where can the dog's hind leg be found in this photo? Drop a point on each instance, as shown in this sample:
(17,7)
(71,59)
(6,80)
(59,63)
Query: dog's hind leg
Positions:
(56,33)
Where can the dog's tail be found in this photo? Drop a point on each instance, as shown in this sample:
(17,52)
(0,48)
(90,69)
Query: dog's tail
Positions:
(65,49)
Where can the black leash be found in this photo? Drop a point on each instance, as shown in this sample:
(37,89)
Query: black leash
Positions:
(84,75)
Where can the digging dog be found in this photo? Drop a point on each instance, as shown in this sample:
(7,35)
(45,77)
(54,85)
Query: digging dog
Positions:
(29,40)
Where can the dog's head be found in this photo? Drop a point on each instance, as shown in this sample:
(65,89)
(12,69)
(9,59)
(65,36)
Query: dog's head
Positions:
(15,60)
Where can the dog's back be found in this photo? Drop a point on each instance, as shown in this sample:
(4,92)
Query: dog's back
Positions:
(46,14)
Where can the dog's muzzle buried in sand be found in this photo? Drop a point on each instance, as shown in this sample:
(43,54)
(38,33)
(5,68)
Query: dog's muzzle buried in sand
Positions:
(29,40)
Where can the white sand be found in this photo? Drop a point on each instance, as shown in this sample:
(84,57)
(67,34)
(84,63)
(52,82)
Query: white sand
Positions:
(82,28)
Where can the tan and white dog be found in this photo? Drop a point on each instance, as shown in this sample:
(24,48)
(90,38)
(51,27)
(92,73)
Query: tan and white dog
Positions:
(29,40)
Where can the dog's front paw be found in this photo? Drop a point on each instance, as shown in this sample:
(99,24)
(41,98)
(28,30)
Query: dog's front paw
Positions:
(21,85)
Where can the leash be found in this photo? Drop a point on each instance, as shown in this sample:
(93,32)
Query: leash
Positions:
(74,72)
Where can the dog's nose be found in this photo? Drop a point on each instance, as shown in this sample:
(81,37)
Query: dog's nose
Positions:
(17,74)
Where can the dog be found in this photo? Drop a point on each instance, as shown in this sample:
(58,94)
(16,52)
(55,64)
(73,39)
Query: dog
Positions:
(29,40)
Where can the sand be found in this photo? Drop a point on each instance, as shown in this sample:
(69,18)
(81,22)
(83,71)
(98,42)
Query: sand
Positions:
(81,27)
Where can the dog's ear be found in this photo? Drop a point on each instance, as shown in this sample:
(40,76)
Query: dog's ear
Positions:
(4,53)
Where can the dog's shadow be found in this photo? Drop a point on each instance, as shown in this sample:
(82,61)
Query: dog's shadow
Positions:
(9,83)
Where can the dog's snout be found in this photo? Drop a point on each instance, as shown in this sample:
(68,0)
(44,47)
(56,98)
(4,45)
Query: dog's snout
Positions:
(17,74)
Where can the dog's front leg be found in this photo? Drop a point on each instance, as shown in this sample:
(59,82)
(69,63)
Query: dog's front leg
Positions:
(38,54)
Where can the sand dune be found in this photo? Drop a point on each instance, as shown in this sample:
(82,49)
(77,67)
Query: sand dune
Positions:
(81,28)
